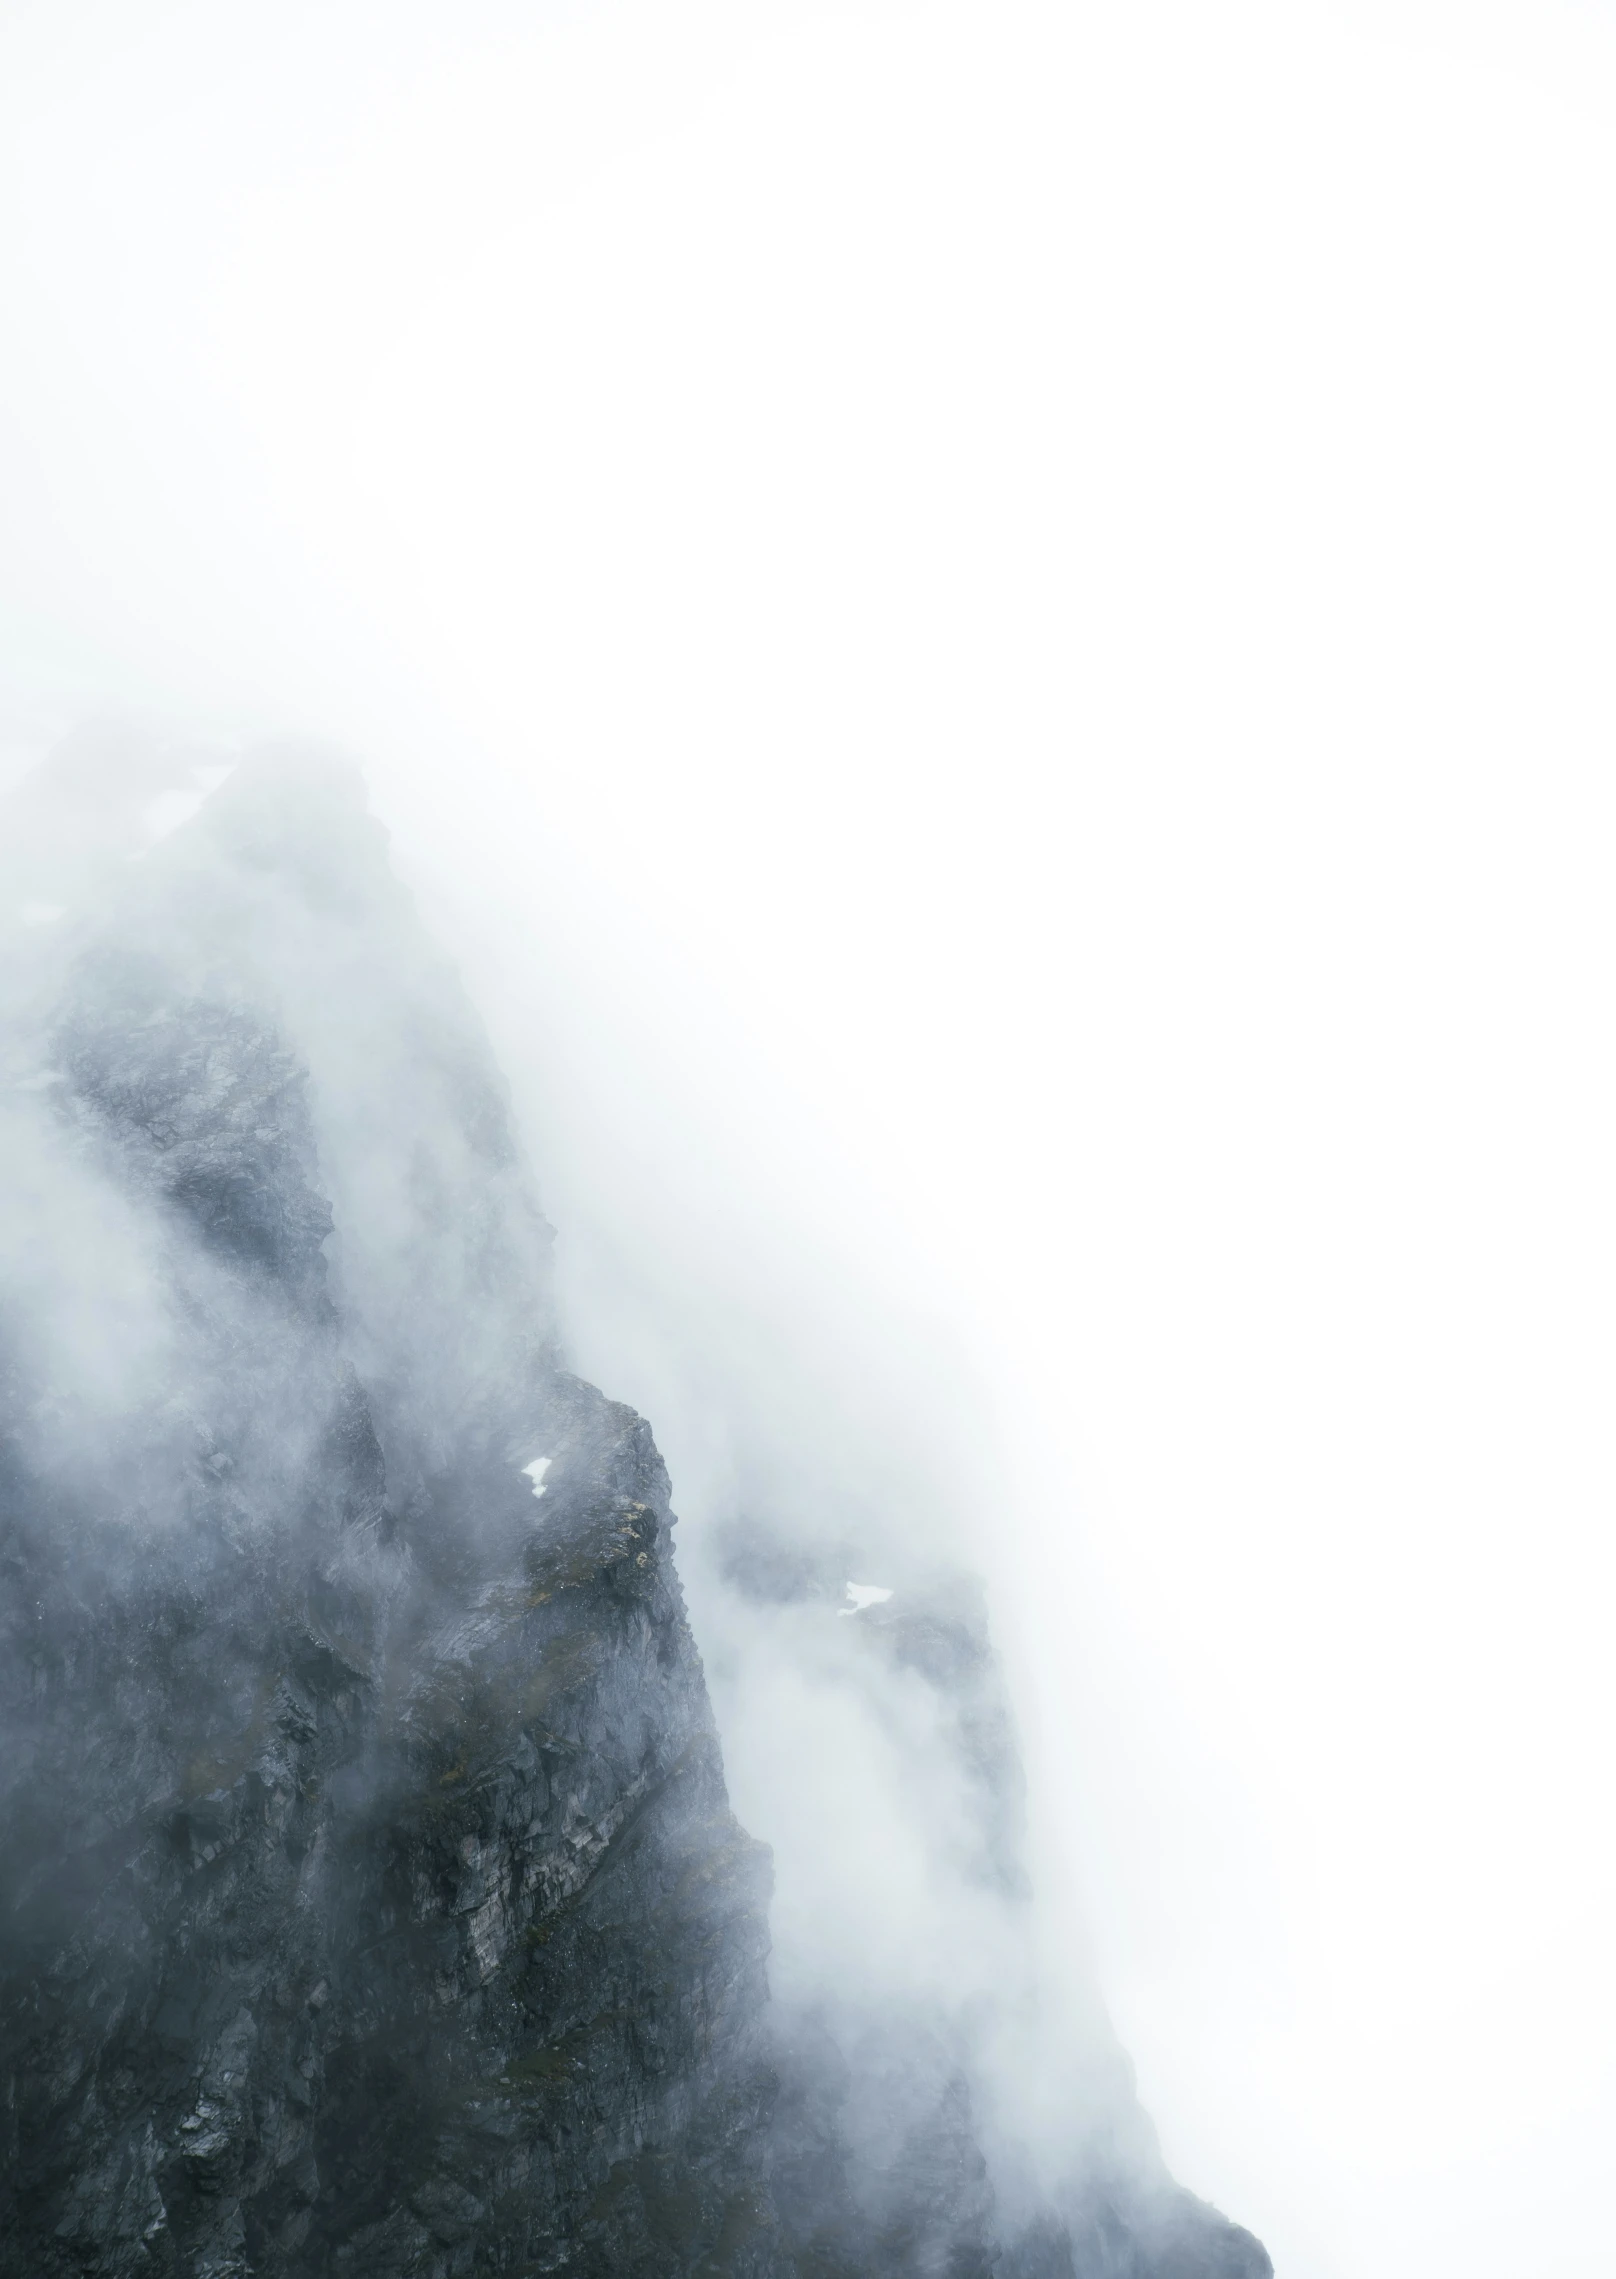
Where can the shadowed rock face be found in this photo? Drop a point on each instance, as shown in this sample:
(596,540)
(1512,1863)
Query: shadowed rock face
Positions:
(370,1900)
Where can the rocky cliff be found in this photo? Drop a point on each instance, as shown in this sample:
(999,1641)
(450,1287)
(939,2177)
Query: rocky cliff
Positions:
(369,1894)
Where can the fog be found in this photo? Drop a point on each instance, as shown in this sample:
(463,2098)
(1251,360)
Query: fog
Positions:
(985,633)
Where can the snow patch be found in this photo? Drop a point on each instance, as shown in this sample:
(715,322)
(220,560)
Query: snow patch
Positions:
(535,1472)
(861,1595)
(172,808)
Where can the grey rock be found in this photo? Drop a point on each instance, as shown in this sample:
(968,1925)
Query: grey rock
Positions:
(370,1900)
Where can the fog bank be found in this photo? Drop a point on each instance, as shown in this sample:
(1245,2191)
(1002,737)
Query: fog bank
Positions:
(987,638)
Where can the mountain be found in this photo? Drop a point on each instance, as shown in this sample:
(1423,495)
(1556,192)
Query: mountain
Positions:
(370,1898)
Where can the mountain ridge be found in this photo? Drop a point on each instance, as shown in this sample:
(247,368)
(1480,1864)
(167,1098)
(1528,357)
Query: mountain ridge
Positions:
(372,1898)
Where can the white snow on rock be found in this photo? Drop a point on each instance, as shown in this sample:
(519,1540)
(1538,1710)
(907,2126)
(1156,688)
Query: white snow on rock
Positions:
(172,808)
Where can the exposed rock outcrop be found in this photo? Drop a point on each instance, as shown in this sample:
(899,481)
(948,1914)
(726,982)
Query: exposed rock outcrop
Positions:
(370,1900)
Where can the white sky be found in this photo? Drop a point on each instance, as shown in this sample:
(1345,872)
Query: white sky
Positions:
(1027,595)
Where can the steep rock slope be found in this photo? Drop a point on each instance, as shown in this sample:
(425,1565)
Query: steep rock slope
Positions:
(369,1895)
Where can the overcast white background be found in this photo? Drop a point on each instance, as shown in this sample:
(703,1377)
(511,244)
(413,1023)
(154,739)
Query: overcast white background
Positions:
(992,629)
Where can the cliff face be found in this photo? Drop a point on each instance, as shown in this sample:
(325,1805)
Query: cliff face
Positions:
(369,1895)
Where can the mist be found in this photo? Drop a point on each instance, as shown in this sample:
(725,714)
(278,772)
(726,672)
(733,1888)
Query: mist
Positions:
(985,639)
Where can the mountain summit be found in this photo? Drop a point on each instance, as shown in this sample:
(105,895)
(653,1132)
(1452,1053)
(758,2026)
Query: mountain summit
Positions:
(370,1898)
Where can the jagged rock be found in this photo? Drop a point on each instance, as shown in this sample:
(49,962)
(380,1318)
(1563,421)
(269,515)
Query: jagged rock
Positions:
(370,1900)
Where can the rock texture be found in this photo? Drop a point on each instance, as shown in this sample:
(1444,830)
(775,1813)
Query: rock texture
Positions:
(370,1901)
